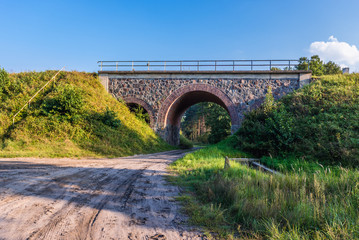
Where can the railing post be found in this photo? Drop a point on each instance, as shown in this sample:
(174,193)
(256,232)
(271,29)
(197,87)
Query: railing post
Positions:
(148,64)
(101,65)
(197,66)
(289,65)
(132,66)
(270,65)
(165,66)
(215,66)
(116,66)
(233,66)
(181,66)
(251,65)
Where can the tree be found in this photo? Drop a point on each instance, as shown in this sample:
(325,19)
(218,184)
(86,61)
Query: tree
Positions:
(219,121)
(332,68)
(316,65)
(206,122)
(303,64)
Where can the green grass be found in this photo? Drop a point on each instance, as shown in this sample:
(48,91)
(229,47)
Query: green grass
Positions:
(74,117)
(310,201)
(311,136)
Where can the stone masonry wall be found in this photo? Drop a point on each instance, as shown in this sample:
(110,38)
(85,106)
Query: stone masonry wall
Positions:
(246,94)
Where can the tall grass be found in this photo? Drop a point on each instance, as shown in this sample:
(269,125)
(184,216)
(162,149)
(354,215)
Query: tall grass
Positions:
(245,203)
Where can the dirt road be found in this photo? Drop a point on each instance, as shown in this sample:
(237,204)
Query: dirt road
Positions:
(122,198)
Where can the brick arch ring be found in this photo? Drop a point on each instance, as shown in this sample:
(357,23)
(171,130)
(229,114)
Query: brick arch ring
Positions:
(143,104)
(225,102)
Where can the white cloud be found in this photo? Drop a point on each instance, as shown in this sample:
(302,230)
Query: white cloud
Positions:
(344,54)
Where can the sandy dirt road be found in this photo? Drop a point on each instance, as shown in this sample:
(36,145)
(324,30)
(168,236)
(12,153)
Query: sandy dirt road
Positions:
(122,198)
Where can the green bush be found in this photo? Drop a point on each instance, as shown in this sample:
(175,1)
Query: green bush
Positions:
(4,83)
(185,143)
(320,121)
(66,102)
(109,118)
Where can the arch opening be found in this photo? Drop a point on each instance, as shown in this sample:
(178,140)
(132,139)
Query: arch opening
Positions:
(141,109)
(140,112)
(205,123)
(179,101)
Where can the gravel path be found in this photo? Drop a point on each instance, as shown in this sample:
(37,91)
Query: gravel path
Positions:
(122,198)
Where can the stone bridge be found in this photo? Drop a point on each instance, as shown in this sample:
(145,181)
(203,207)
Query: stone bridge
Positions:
(167,95)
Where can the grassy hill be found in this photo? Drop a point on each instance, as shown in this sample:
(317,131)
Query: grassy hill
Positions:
(312,137)
(73,117)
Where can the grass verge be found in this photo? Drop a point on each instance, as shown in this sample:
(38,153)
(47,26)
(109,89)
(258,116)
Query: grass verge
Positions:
(310,201)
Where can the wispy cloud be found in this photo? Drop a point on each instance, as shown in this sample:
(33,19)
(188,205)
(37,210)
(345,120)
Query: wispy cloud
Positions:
(343,53)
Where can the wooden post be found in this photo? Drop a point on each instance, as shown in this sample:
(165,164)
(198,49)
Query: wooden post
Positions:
(226,163)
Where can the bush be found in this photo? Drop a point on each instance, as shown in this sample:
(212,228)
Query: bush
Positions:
(185,143)
(109,118)
(4,83)
(66,102)
(320,121)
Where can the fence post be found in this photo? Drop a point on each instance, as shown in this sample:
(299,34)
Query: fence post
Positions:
(226,163)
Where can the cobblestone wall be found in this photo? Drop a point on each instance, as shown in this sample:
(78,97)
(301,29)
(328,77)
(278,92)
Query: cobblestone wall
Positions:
(245,93)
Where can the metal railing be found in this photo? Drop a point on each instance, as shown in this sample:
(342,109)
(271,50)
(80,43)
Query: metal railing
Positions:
(199,65)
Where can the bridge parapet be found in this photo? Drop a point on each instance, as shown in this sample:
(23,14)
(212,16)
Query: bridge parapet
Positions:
(200,65)
(167,95)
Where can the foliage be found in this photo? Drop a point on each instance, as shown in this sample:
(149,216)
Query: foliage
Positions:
(109,118)
(218,121)
(193,124)
(310,201)
(316,65)
(4,83)
(269,103)
(66,101)
(206,123)
(73,117)
(139,112)
(185,143)
(303,64)
(320,121)
(332,68)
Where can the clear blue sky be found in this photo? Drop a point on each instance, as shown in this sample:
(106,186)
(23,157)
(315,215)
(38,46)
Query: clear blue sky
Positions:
(40,35)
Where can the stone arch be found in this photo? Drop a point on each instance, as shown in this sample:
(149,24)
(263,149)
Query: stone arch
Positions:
(175,105)
(143,104)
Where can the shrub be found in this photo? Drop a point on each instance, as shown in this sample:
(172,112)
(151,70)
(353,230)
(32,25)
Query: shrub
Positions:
(185,143)
(109,118)
(4,83)
(320,121)
(66,102)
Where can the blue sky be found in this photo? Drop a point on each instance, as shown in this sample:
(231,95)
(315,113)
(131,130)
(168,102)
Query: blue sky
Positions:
(40,35)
